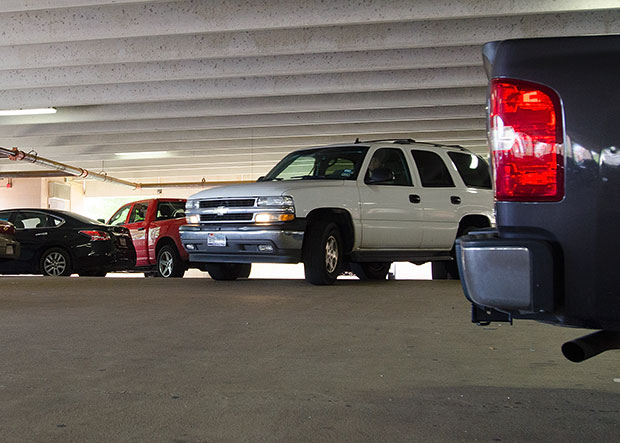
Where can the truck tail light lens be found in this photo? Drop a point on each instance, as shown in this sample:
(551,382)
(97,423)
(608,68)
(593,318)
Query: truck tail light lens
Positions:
(96,235)
(526,137)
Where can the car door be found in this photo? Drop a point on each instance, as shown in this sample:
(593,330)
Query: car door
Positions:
(391,216)
(17,265)
(137,227)
(440,199)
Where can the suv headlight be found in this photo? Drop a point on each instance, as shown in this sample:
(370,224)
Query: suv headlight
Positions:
(275,209)
(192,204)
(275,201)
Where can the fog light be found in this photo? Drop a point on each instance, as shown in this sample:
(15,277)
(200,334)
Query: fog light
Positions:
(190,247)
(265,248)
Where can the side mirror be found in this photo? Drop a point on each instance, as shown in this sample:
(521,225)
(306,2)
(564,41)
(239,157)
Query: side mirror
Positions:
(379,175)
(101,220)
(261,178)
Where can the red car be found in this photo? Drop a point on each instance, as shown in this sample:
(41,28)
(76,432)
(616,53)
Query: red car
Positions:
(154,226)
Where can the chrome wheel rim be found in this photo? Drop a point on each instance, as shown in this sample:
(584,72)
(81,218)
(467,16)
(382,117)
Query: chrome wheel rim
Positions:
(166,261)
(331,254)
(54,264)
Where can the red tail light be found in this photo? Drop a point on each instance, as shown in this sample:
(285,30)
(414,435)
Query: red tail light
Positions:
(96,235)
(526,139)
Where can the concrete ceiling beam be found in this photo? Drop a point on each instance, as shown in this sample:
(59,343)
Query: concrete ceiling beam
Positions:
(399,99)
(255,133)
(244,87)
(361,61)
(183,17)
(73,51)
(15,132)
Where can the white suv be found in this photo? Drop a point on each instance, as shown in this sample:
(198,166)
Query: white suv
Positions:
(356,207)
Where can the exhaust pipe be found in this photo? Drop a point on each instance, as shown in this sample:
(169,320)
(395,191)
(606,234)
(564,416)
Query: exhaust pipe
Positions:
(590,345)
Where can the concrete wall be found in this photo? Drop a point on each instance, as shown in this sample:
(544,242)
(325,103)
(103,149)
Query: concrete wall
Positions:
(23,193)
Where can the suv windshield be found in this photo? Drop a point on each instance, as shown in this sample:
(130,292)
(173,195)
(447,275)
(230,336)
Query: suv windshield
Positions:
(333,163)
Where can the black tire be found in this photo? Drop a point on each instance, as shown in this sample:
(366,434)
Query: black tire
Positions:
(448,269)
(323,253)
(55,262)
(92,273)
(228,271)
(371,270)
(169,263)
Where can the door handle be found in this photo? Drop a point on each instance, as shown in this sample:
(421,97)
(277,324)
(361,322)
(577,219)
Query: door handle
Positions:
(455,199)
(40,233)
(414,198)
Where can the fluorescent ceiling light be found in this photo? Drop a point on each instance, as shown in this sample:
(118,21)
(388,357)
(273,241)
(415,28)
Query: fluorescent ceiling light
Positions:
(143,154)
(28,111)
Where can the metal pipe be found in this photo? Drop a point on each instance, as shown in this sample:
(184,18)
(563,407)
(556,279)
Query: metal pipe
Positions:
(15,154)
(33,174)
(590,345)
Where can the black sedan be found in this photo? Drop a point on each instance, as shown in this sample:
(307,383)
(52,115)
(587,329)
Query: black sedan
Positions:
(61,243)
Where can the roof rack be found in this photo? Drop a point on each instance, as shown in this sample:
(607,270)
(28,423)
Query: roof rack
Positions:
(401,141)
(437,145)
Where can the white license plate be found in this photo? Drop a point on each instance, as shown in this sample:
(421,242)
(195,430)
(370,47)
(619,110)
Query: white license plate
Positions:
(216,239)
(10,250)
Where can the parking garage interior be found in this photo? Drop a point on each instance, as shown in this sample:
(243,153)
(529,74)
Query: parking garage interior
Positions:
(172,97)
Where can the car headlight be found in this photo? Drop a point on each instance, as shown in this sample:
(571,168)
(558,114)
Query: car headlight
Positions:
(192,219)
(280,200)
(192,204)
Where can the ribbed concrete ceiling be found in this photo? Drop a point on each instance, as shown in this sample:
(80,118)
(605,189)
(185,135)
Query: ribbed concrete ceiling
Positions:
(221,90)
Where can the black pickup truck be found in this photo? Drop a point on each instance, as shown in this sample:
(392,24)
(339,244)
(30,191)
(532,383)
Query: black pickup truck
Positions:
(554,135)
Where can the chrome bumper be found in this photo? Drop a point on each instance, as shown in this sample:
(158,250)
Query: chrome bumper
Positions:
(243,246)
(510,275)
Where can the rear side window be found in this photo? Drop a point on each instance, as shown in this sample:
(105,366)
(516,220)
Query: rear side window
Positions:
(432,169)
(473,169)
(167,210)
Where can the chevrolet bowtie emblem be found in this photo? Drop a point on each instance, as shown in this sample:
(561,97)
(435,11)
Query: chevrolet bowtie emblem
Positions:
(221,210)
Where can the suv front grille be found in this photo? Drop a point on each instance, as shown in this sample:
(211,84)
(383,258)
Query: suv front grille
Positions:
(229,203)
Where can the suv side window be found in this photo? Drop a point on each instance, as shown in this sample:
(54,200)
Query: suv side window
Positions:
(473,169)
(138,213)
(391,164)
(120,216)
(432,169)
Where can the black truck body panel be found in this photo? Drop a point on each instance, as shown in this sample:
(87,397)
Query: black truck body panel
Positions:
(579,229)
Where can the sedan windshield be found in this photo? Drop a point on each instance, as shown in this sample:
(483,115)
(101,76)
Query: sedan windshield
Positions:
(333,163)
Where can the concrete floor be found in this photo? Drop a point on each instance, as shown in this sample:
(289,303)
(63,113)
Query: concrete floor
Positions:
(86,359)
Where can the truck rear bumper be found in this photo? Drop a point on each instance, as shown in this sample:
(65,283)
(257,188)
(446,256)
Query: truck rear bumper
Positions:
(243,246)
(513,275)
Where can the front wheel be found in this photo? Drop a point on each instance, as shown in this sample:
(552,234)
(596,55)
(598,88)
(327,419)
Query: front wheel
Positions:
(371,271)
(55,262)
(323,253)
(169,263)
(228,271)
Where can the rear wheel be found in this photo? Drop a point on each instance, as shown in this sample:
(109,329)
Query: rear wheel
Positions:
(228,271)
(323,253)
(55,262)
(169,263)
(371,271)
(448,269)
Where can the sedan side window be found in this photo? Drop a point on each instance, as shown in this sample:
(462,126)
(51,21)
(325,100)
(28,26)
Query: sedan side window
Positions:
(433,171)
(31,220)
(120,216)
